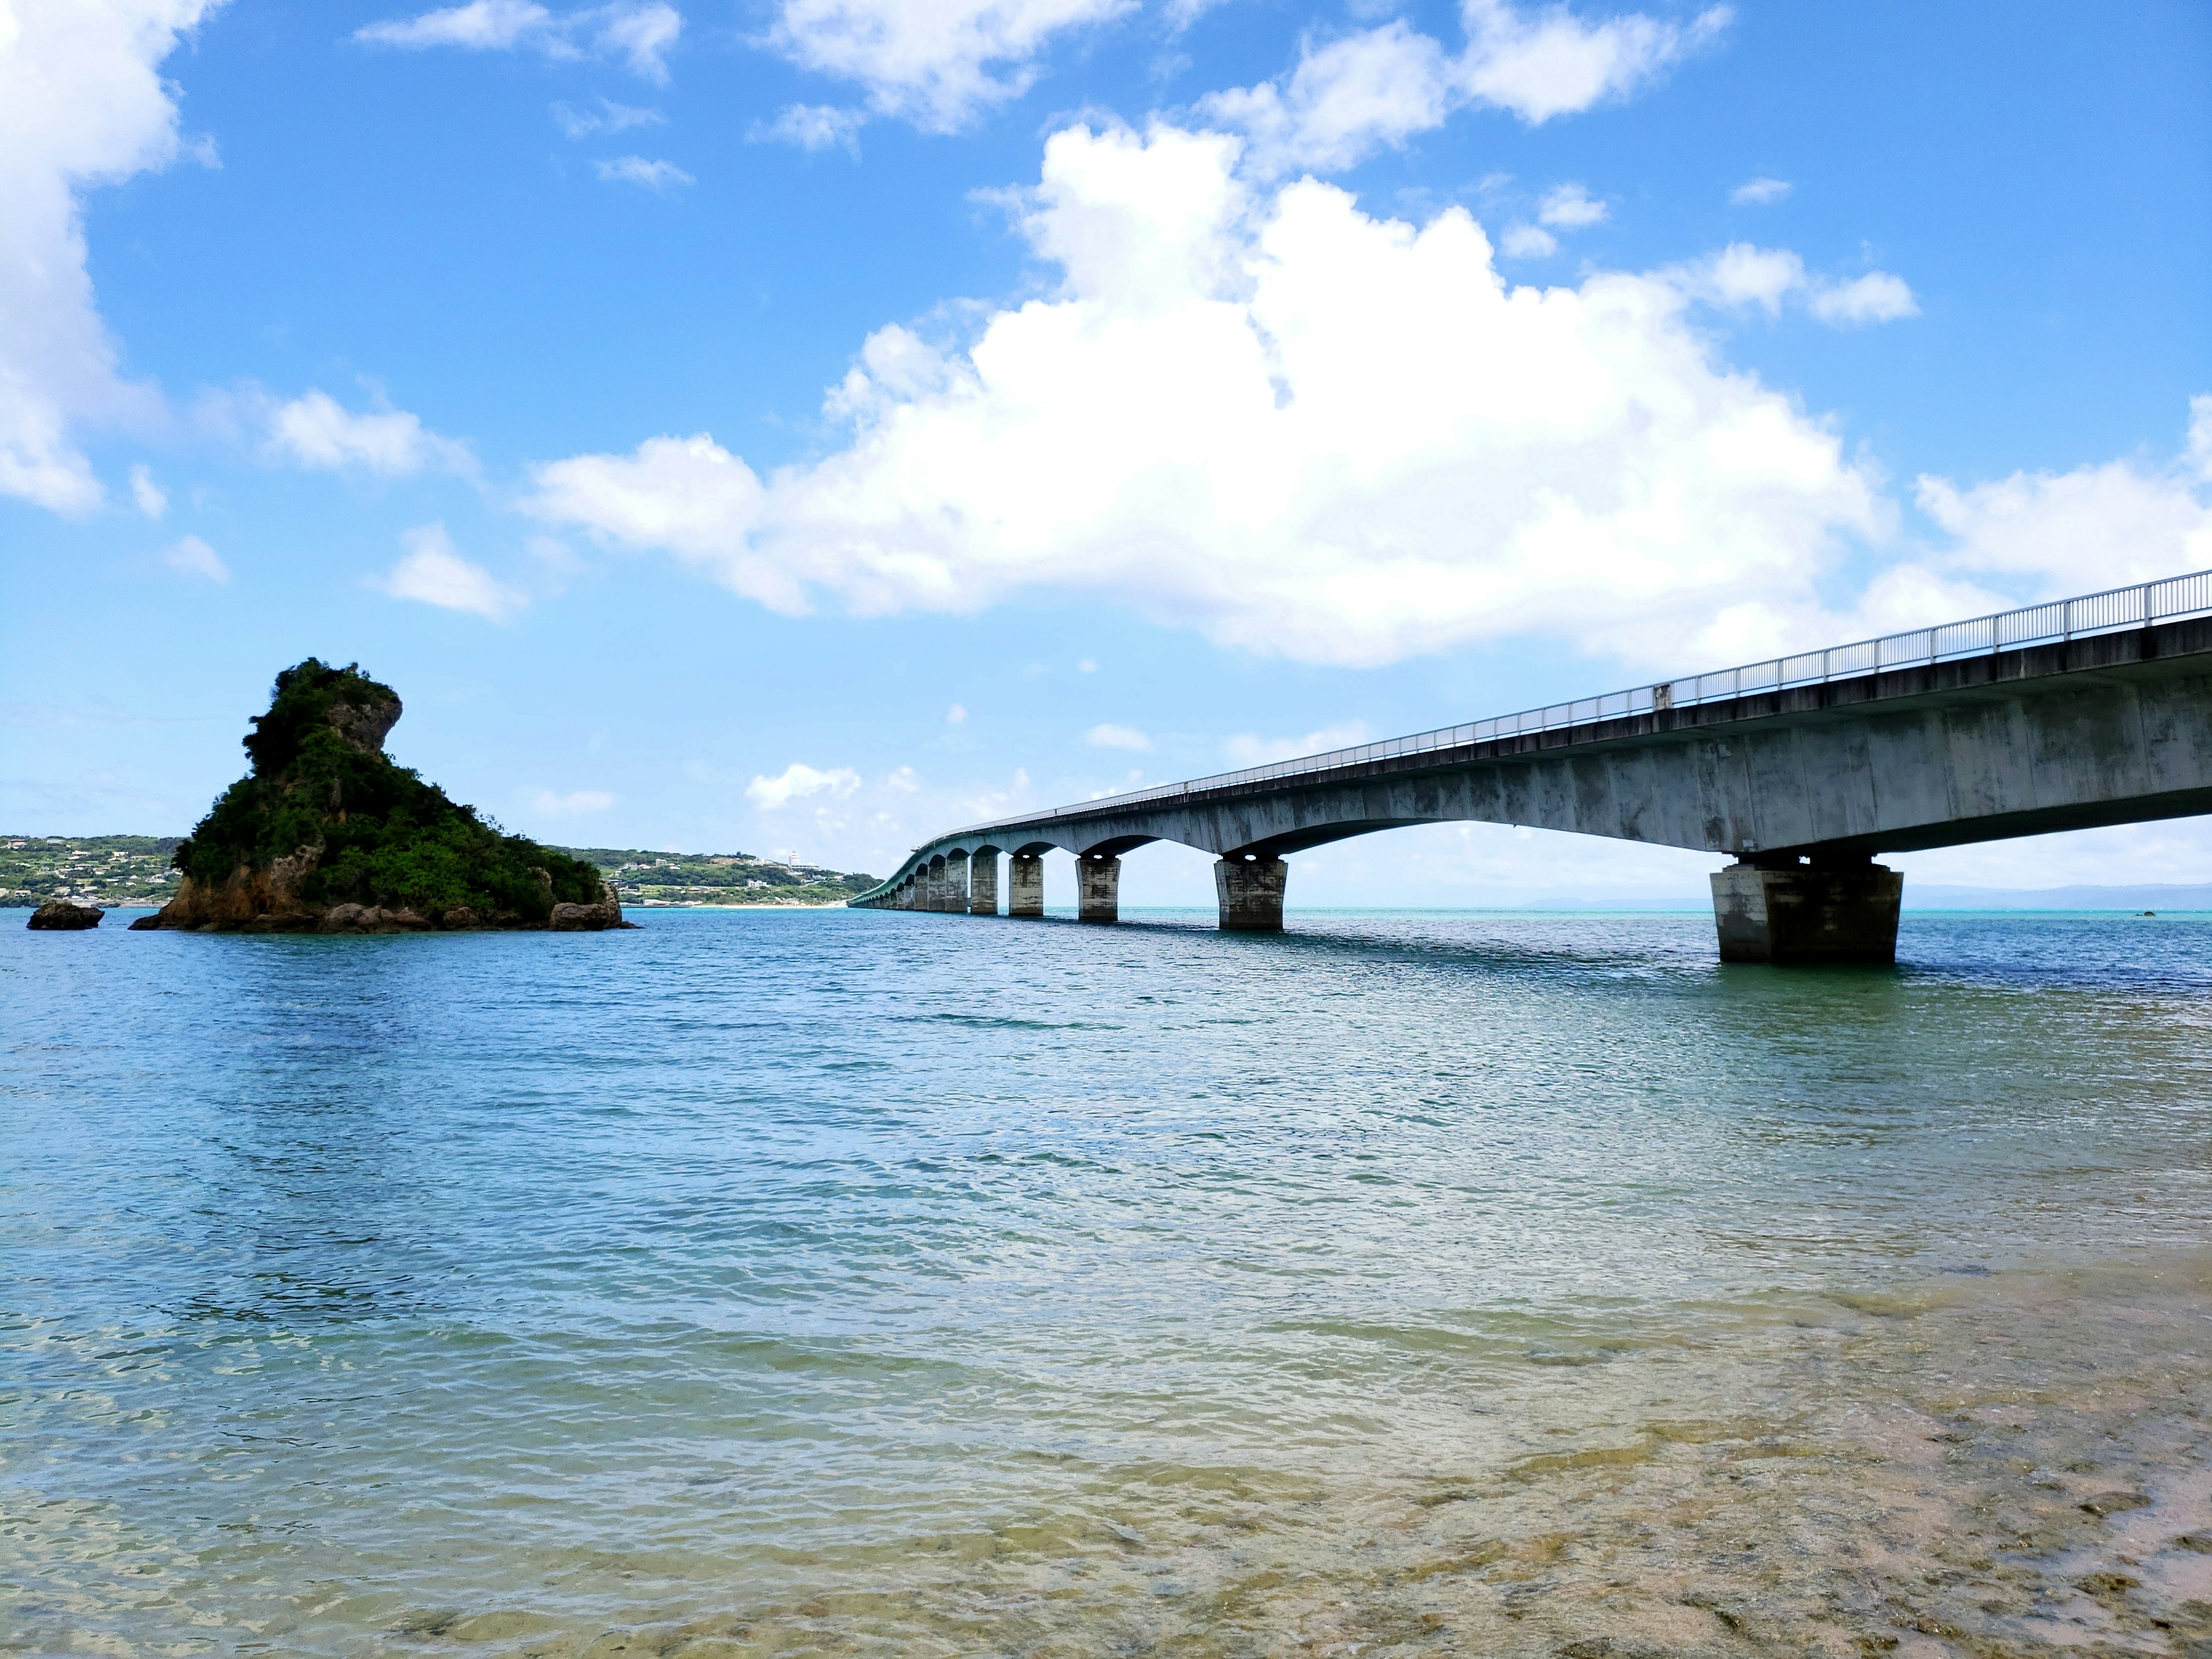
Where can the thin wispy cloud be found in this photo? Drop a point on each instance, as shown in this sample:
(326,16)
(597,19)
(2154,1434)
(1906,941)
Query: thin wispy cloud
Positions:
(662,176)
(193,557)
(608,117)
(639,33)
(1759,192)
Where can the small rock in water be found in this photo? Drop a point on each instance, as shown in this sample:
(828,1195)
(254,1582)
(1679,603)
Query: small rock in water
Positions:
(64,915)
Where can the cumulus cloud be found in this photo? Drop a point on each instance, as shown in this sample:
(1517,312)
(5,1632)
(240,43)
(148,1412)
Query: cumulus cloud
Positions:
(639,32)
(573,804)
(2045,535)
(608,117)
(636,170)
(1350,97)
(1108,736)
(815,127)
(1528,242)
(1570,207)
(194,557)
(317,431)
(1344,100)
(937,64)
(956,715)
(1876,297)
(798,780)
(433,572)
(1302,429)
(81,104)
(148,496)
(1759,192)
(1741,274)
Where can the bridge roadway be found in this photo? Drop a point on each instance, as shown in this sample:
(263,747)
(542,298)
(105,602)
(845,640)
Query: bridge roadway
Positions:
(2065,716)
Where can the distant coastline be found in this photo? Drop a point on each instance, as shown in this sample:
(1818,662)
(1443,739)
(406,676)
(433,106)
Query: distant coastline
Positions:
(127,872)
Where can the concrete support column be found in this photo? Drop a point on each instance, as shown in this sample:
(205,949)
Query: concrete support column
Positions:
(956,886)
(1251,893)
(925,881)
(1099,884)
(1025,884)
(1808,913)
(983,883)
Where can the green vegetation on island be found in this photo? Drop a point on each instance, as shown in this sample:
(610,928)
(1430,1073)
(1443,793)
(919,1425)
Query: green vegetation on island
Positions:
(648,878)
(327,831)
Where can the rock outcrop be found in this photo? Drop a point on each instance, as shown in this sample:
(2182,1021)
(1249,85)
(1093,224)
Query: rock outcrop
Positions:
(326,835)
(63,916)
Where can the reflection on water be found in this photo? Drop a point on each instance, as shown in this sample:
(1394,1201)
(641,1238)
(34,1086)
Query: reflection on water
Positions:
(787,1283)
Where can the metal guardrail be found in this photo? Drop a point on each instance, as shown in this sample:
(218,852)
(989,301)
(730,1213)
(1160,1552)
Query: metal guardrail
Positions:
(2113,610)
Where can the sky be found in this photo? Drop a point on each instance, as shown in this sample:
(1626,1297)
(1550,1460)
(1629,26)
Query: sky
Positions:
(804,426)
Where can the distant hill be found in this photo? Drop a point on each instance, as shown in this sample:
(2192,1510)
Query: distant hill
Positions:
(2155,896)
(645,876)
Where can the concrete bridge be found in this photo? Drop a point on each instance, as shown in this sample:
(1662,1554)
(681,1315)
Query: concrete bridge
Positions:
(2062,716)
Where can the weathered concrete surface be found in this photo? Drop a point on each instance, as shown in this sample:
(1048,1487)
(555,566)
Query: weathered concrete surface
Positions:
(1807,913)
(983,882)
(1250,890)
(1097,888)
(953,885)
(1025,884)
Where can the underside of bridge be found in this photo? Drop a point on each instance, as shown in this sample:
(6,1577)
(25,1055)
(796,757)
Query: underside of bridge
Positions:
(1802,787)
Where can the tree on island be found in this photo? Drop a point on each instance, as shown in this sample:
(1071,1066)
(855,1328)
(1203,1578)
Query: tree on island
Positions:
(326,834)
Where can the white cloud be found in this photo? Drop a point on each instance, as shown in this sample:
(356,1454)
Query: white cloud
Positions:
(640,31)
(1301,429)
(936,63)
(1528,242)
(148,496)
(1107,736)
(194,557)
(1248,748)
(1759,192)
(572,805)
(1742,274)
(2046,535)
(636,170)
(1352,96)
(1344,100)
(81,104)
(610,117)
(956,715)
(1876,297)
(479,26)
(1551,63)
(815,126)
(432,572)
(798,780)
(1570,207)
(315,430)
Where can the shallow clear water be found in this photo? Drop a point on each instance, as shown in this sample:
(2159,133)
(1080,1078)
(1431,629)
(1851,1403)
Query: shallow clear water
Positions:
(786,1281)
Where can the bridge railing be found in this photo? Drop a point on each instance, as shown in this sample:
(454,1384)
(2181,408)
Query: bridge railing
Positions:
(2113,610)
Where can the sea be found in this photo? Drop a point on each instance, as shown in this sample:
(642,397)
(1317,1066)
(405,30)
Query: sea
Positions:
(853,1282)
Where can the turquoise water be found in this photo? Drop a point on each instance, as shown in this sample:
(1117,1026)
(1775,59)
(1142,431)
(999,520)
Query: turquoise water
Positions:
(803,1281)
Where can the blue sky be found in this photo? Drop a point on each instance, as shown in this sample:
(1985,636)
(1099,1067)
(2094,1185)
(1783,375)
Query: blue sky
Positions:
(810,425)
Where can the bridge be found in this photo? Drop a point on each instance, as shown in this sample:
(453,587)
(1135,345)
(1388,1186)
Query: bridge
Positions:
(2068,715)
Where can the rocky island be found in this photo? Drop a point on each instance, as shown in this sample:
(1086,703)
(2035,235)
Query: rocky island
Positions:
(326,834)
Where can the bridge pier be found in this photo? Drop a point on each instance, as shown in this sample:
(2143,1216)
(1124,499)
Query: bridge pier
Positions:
(983,883)
(952,896)
(1024,885)
(1099,884)
(1251,893)
(1844,911)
